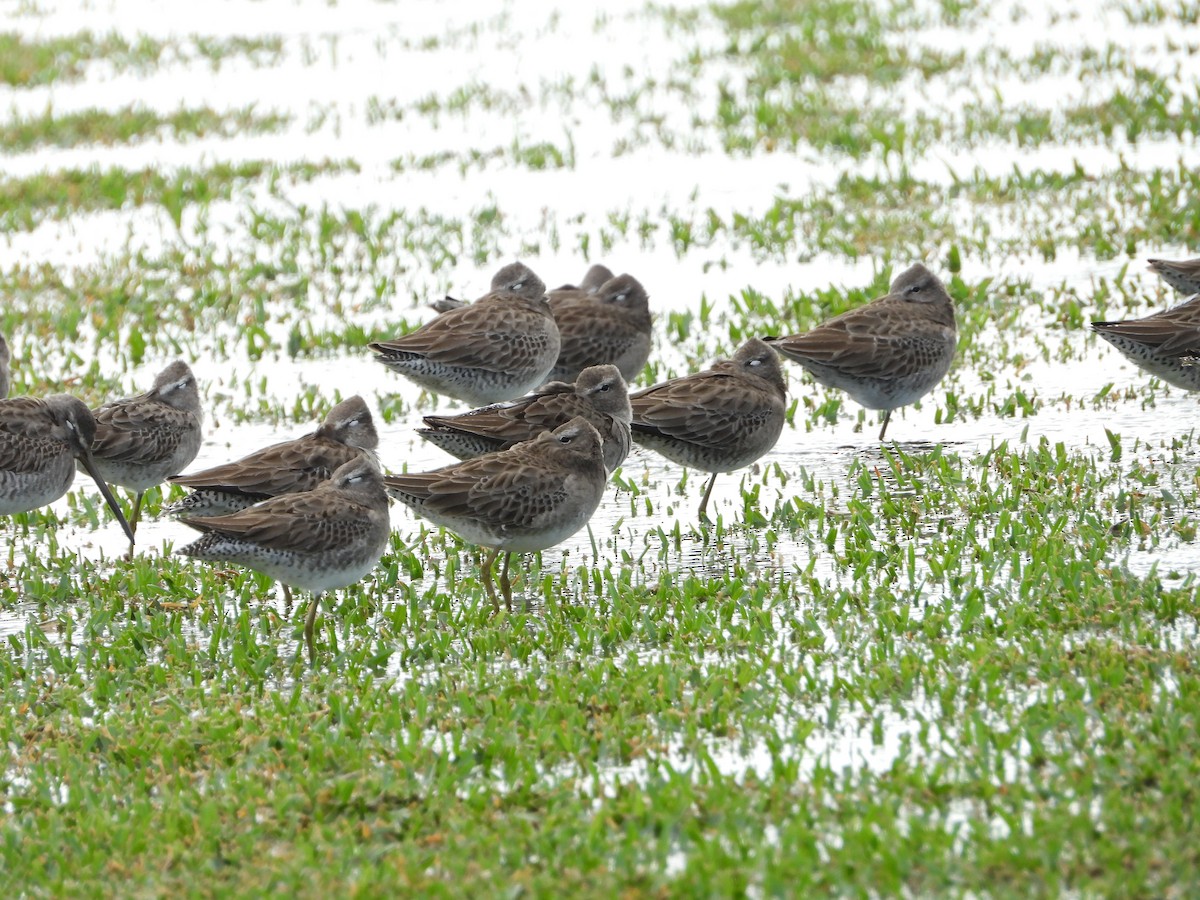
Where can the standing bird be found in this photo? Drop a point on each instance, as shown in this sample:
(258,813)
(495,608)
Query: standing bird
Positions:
(317,540)
(599,395)
(524,499)
(1183,275)
(608,325)
(141,440)
(347,433)
(495,349)
(1165,344)
(887,354)
(5,357)
(717,420)
(40,440)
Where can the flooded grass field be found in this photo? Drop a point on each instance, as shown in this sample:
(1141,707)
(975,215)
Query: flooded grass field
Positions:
(961,662)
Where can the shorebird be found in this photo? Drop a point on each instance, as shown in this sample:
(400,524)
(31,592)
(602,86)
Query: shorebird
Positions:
(494,349)
(141,440)
(40,440)
(1183,275)
(599,395)
(1165,344)
(524,499)
(347,433)
(317,540)
(887,354)
(609,324)
(717,420)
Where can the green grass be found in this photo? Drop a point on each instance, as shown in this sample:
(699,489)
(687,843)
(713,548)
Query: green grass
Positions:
(26,63)
(963,664)
(130,124)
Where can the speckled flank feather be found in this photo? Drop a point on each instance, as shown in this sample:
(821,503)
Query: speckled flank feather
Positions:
(599,395)
(1183,275)
(1164,344)
(527,498)
(141,440)
(492,350)
(718,420)
(347,433)
(5,359)
(887,354)
(609,325)
(40,440)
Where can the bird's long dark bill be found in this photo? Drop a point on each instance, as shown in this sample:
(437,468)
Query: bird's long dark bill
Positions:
(90,465)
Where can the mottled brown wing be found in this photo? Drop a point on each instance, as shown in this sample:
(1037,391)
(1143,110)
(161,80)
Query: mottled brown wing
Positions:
(857,343)
(298,522)
(482,335)
(554,404)
(298,465)
(494,488)
(138,428)
(708,408)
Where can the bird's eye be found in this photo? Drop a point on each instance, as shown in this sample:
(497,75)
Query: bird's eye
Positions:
(620,298)
(518,285)
(564,439)
(756,362)
(606,387)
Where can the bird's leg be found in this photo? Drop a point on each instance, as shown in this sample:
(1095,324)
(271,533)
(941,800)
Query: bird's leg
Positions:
(707,494)
(887,417)
(487,578)
(287,599)
(309,620)
(505,583)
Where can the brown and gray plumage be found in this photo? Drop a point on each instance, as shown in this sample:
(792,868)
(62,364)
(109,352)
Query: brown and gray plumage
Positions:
(317,540)
(887,354)
(717,420)
(495,349)
(40,440)
(599,395)
(524,499)
(142,440)
(347,433)
(1165,344)
(1183,274)
(607,325)
(5,358)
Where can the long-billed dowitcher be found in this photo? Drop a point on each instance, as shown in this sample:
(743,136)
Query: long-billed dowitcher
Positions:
(494,349)
(1182,274)
(717,420)
(524,499)
(599,395)
(143,439)
(887,354)
(317,540)
(347,433)
(40,440)
(1165,344)
(5,358)
(608,325)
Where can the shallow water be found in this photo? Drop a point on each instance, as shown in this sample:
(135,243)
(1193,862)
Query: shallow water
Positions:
(337,59)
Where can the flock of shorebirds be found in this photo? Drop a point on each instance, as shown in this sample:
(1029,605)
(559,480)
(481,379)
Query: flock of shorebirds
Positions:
(550,370)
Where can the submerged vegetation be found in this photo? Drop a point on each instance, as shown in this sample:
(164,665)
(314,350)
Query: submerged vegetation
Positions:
(961,663)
